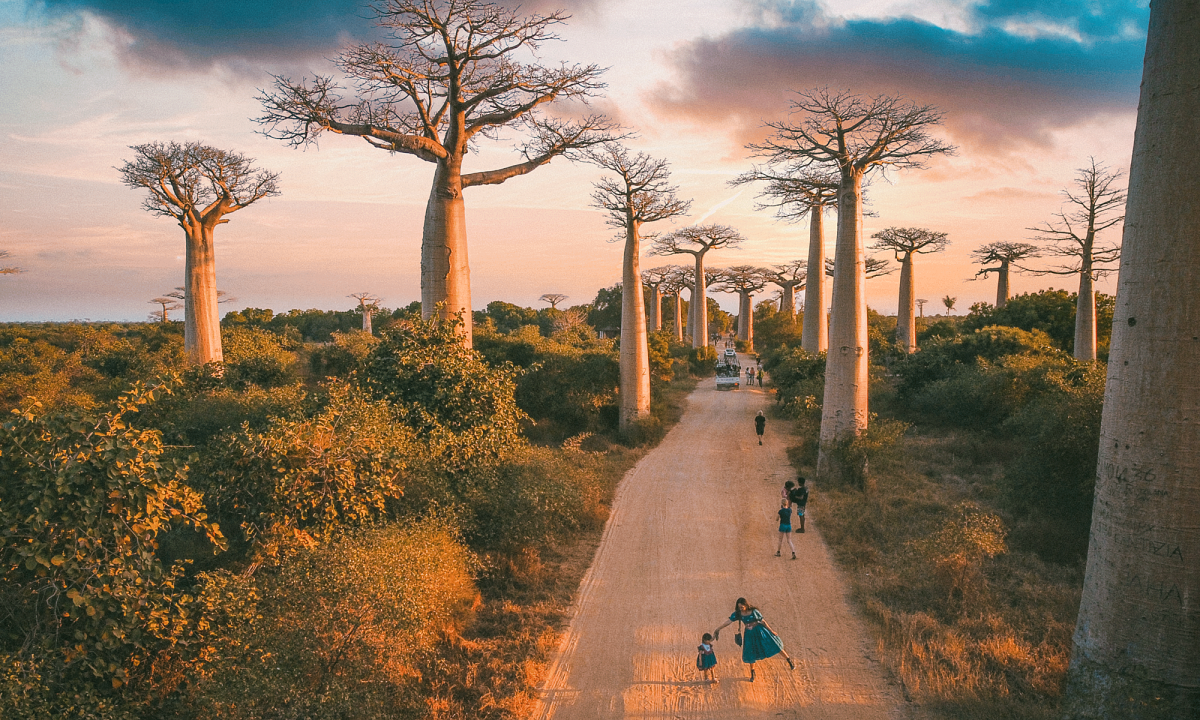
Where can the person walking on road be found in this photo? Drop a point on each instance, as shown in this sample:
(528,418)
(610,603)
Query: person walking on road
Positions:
(760,425)
(785,528)
(758,641)
(798,499)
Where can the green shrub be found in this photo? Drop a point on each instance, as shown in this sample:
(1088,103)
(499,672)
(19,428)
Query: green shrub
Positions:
(254,356)
(959,547)
(322,474)
(84,501)
(346,354)
(702,361)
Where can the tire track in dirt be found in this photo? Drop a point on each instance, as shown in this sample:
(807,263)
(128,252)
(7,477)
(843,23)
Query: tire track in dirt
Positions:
(693,527)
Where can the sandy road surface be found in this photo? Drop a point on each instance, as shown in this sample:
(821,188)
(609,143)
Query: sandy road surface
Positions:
(694,527)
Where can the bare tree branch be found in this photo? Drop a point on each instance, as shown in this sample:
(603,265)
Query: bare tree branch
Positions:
(1095,205)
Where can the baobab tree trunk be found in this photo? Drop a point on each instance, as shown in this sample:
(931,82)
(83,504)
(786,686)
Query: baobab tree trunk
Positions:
(655,316)
(678,313)
(445,276)
(201,323)
(1137,641)
(1085,317)
(700,307)
(367,320)
(1002,284)
(746,320)
(906,322)
(635,352)
(787,301)
(844,410)
(815,335)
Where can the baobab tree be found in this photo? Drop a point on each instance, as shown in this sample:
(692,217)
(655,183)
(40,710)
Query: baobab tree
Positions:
(1005,253)
(904,244)
(168,304)
(949,303)
(8,269)
(654,279)
(638,194)
(857,136)
(677,280)
(921,305)
(873,267)
(198,186)
(788,277)
(1095,206)
(1137,642)
(745,280)
(794,196)
(553,299)
(368,304)
(449,73)
(697,241)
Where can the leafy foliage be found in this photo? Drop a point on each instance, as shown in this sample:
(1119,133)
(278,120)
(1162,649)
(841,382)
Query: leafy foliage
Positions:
(84,503)
(960,546)
(1051,311)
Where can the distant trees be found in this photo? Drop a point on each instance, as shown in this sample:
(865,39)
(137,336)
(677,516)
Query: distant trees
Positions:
(654,279)
(788,277)
(368,304)
(168,304)
(855,135)
(697,241)
(1094,206)
(198,186)
(677,278)
(921,305)
(450,73)
(8,269)
(638,194)
(1005,253)
(905,243)
(949,303)
(553,299)
(745,280)
(1137,642)
(796,193)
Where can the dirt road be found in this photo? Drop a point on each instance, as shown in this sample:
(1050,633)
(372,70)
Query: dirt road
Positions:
(693,528)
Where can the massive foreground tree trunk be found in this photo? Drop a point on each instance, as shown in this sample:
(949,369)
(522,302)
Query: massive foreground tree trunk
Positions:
(906,321)
(699,306)
(844,409)
(815,335)
(1137,642)
(202,322)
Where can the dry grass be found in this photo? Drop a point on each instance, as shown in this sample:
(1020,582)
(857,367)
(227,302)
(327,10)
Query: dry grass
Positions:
(994,647)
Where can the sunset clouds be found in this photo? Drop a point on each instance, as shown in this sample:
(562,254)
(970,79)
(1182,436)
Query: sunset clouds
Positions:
(1009,74)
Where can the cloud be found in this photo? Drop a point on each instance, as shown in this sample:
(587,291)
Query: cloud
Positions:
(1025,69)
(191,34)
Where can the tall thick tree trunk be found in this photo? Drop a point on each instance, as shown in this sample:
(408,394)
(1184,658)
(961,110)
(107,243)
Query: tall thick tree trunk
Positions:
(700,306)
(635,352)
(787,302)
(815,335)
(1085,317)
(655,316)
(1002,292)
(445,275)
(906,322)
(1137,641)
(844,410)
(746,320)
(367,321)
(201,321)
(677,311)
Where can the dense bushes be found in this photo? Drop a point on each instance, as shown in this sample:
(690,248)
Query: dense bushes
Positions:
(1051,311)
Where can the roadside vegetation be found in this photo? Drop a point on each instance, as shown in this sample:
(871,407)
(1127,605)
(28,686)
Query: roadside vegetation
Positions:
(964,540)
(329,524)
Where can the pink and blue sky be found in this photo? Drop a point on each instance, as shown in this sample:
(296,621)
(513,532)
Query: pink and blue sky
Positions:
(1030,90)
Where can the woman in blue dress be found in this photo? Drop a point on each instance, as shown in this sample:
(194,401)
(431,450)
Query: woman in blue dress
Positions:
(759,642)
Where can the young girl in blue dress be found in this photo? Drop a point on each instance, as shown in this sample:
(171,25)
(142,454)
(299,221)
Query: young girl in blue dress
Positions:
(706,658)
(759,642)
